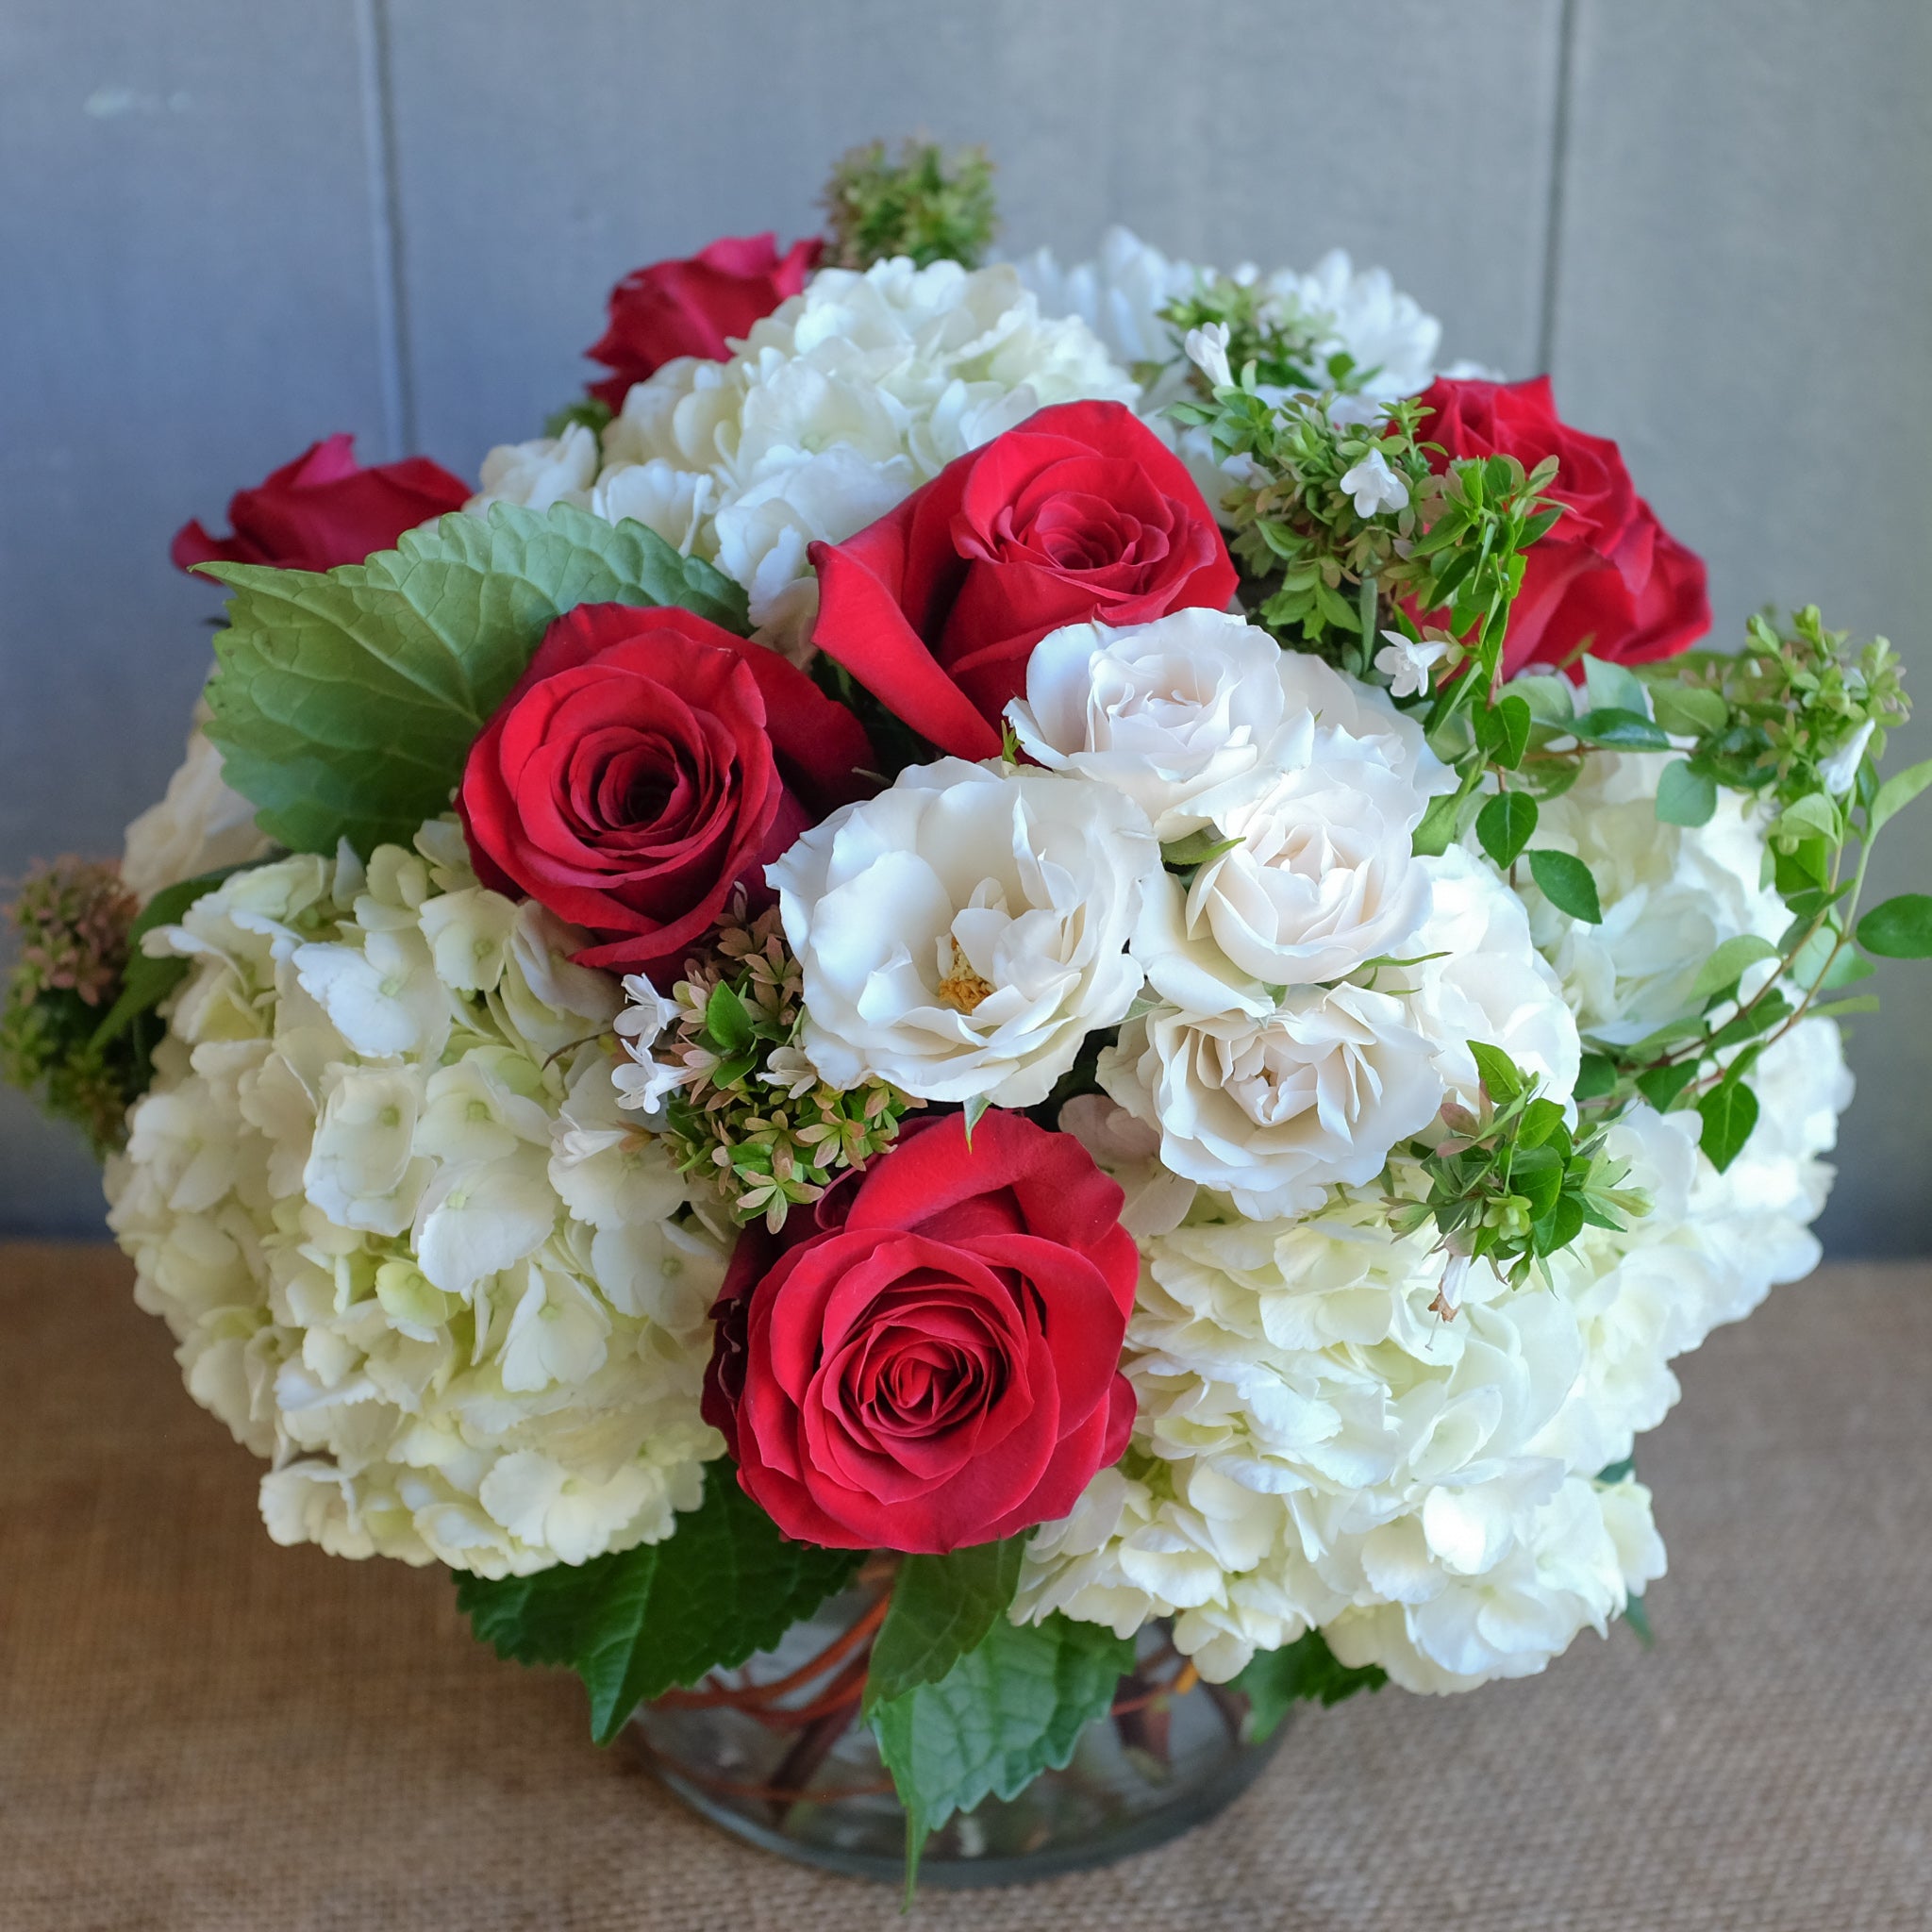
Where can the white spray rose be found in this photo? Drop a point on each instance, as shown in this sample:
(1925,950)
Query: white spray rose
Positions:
(1163,711)
(961,934)
(1478,978)
(1174,710)
(1274,1111)
(1318,878)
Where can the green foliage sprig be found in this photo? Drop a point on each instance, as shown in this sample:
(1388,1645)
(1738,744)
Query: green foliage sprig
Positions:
(1281,339)
(752,1115)
(1513,1183)
(928,202)
(1328,576)
(1797,721)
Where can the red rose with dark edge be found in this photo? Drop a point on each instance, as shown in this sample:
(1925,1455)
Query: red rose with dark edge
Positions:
(691,307)
(1606,578)
(645,764)
(1079,514)
(940,1365)
(322,509)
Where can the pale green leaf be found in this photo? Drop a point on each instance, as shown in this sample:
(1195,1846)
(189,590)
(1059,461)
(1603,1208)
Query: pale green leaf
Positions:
(1729,962)
(1897,793)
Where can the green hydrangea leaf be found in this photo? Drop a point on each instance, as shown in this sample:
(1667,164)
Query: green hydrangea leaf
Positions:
(722,1587)
(347,700)
(1012,1707)
(1276,1680)
(943,1607)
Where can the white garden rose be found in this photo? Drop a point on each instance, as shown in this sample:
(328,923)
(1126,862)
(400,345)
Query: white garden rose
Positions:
(1163,711)
(1273,1111)
(841,403)
(1477,977)
(409,1245)
(1318,878)
(198,826)
(960,935)
(1175,710)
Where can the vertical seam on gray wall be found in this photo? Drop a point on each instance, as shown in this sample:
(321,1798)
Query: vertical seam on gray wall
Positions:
(386,228)
(1559,170)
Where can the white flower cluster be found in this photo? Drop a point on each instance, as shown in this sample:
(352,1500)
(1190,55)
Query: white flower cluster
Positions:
(1316,1448)
(840,404)
(1295,1007)
(1360,312)
(198,825)
(1389,340)
(411,1250)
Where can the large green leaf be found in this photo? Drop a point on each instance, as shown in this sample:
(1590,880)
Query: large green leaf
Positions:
(346,702)
(943,1607)
(1276,1680)
(1008,1709)
(723,1585)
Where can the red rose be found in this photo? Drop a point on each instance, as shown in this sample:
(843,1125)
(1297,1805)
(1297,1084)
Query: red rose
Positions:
(940,1365)
(1606,578)
(1079,514)
(645,764)
(672,308)
(323,509)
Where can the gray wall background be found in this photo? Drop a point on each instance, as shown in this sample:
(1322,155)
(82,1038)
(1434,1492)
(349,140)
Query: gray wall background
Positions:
(230,227)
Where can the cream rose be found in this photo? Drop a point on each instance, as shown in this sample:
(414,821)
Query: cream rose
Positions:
(1275,1111)
(961,934)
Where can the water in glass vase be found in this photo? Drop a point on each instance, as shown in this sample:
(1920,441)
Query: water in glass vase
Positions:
(778,1754)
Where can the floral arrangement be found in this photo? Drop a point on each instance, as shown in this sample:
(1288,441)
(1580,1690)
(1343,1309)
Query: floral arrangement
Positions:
(1086,935)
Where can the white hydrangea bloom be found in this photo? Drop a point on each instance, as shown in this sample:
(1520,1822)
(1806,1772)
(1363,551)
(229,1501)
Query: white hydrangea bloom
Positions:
(1317,1448)
(1671,894)
(411,1247)
(199,824)
(838,404)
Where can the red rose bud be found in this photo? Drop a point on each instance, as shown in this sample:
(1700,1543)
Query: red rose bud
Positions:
(694,308)
(322,509)
(1080,514)
(645,764)
(1606,577)
(939,1366)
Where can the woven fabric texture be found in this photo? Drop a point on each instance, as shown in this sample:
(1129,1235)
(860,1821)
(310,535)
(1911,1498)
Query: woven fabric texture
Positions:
(199,1730)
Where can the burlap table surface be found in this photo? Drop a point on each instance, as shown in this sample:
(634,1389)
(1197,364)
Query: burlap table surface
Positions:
(200,1730)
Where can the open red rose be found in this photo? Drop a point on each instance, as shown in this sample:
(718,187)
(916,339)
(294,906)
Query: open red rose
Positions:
(645,764)
(322,509)
(693,307)
(1080,514)
(940,1365)
(1606,578)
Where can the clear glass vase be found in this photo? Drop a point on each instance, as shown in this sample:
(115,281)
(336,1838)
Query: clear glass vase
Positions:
(778,1754)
